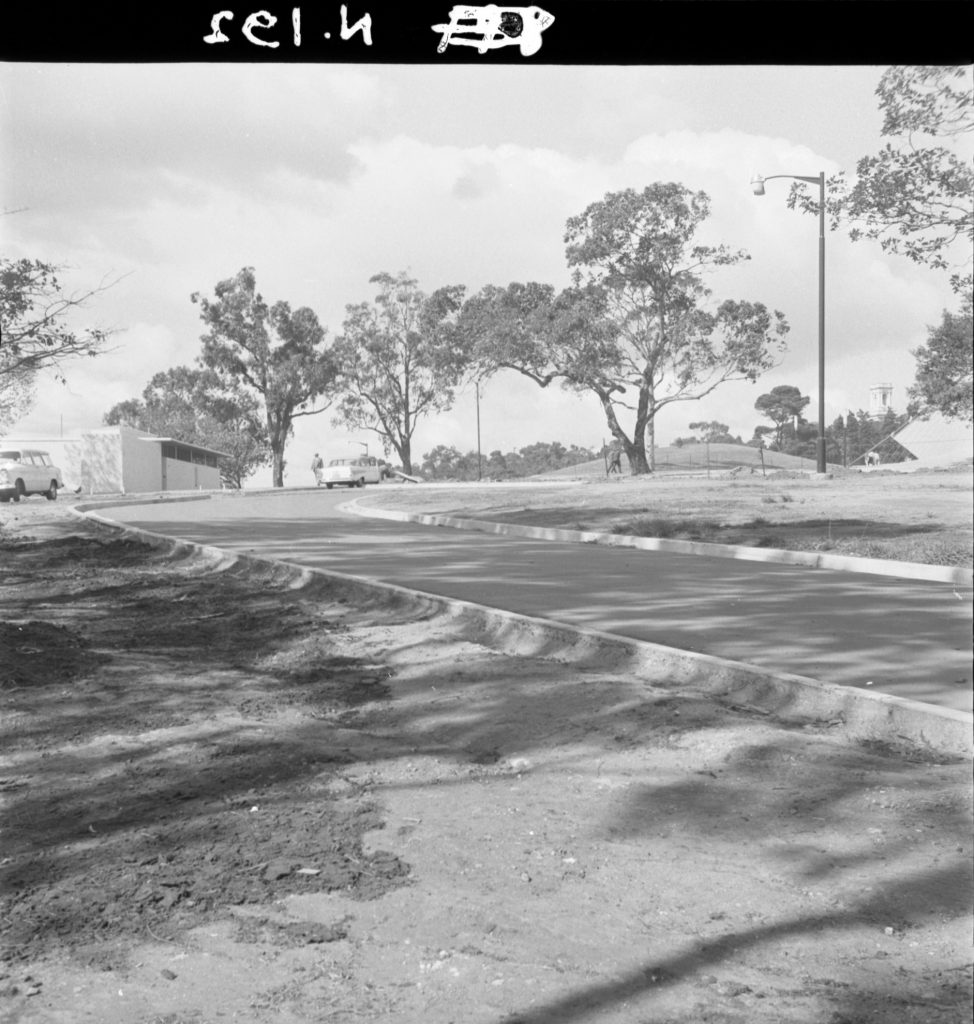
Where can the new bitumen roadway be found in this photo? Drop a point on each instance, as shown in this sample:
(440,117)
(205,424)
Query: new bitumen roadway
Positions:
(904,637)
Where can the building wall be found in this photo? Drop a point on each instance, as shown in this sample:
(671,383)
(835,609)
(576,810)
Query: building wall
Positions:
(141,461)
(189,476)
(100,462)
(880,399)
(114,460)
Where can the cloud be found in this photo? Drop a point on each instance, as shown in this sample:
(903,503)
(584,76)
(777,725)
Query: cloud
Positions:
(93,386)
(113,134)
(320,177)
(478,182)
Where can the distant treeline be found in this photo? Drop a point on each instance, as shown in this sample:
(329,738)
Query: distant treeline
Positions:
(447,463)
(847,439)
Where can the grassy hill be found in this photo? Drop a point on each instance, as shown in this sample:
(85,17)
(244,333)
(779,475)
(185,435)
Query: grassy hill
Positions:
(698,458)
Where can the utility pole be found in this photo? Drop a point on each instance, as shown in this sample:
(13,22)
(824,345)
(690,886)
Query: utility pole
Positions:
(476,391)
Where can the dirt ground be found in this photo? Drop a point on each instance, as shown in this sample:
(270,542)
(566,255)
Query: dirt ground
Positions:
(925,517)
(231,797)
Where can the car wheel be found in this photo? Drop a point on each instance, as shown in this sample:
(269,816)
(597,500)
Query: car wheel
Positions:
(361,482)
(51,492)
(19,491)
(329,486)
(4,499)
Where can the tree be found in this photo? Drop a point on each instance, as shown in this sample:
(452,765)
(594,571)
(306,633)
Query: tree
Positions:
(544,457)
(945,372)
(783,405)
(445,462)
(851,437)
(400,359)
(275,353)
(16,397)
(916,196)
(633,330)
(496,466)
(759,435)
(195,406)
(712,432)
(34,314)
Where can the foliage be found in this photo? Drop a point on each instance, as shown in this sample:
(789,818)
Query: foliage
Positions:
(543,457)
(758,438)
(633,329)
(850,437)
(916,196)
(16,396)
(799,438)
(399,359)
(712,432)
(945,367)
(274,353)
(782,405)
(195,406)
(34,325)
(847,439)
(447,463)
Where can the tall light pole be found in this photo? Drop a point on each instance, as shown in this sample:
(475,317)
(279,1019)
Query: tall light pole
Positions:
(476,392)
(757,186)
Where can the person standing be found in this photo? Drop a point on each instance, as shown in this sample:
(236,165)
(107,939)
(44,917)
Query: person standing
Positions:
(615,459)
(317,465)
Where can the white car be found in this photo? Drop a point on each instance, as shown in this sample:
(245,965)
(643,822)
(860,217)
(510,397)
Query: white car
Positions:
(28,471)
(352,472)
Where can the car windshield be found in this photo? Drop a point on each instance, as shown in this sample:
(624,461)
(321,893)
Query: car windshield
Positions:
(341,462)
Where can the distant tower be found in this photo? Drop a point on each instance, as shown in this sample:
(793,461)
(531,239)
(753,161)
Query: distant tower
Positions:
(880,399)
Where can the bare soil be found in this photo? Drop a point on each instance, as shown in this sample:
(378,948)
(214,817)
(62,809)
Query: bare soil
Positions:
(927,516)
(228,797)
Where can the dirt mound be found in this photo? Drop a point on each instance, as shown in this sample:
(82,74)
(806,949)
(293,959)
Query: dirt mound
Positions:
(156,849)
(37,653)
(160,800)
(227,796)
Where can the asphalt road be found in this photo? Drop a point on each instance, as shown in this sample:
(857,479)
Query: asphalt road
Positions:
(904,637)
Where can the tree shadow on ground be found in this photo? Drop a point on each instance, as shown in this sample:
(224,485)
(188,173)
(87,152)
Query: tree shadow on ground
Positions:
(174,802)
(895,1002)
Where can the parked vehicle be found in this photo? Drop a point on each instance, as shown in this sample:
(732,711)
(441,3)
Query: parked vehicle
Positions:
(352,472)
(28,471)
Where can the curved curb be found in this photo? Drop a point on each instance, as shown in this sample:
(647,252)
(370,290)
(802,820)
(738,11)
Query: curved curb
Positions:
(862,715)
(85,506)
(778,556)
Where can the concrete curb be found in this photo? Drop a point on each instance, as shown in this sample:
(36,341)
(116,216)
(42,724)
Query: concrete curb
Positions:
(778,556)
(860,714)
(160,499)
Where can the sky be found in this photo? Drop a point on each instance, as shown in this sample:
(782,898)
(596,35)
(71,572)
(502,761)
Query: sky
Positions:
(168,178)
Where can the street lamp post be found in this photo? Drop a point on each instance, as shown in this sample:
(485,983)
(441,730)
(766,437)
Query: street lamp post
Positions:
(477,396)
(757,186)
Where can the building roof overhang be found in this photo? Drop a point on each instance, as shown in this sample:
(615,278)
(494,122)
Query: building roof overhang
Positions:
(186,444)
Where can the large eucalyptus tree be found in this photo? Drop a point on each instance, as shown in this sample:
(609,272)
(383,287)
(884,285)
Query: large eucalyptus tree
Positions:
(276,353)
(638,328)
(399,358)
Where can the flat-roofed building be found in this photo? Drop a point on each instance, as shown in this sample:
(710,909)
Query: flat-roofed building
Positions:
(122,460)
